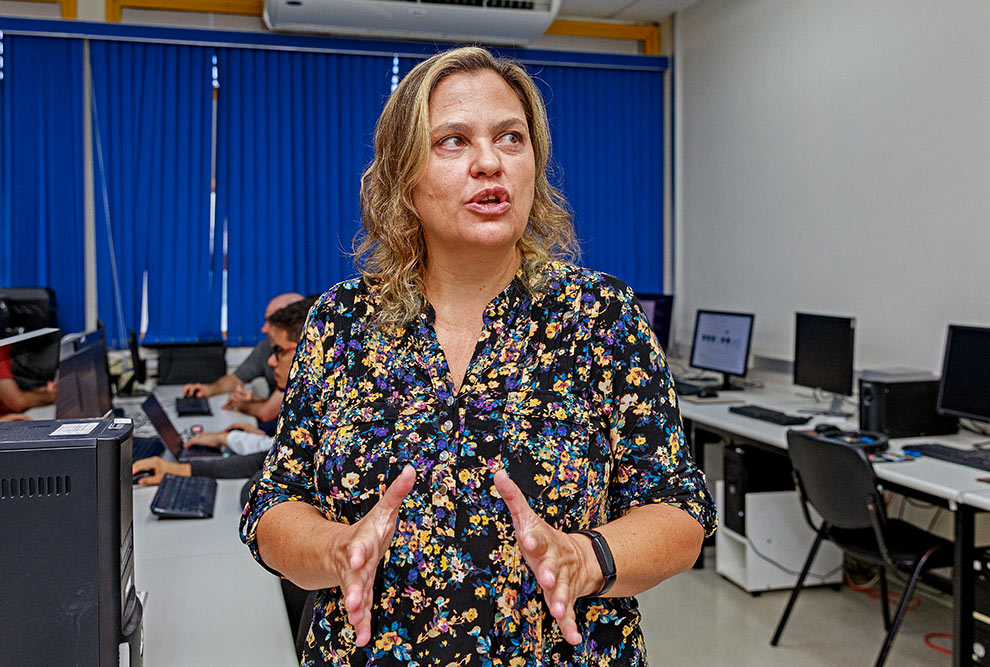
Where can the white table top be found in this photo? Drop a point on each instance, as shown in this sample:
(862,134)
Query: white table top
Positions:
(951,482)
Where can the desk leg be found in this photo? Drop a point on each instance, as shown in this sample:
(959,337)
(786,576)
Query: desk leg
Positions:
(963,582)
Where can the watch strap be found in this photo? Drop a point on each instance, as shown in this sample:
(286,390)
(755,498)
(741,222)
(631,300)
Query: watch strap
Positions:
(604,555)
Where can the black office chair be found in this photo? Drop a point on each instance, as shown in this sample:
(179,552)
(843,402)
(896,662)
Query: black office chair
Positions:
(838,481)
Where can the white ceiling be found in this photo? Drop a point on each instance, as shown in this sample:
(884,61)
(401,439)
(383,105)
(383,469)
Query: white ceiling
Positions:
(652,11)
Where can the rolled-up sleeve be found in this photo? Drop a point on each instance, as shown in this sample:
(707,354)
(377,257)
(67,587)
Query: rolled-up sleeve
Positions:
(288,470)
(652,459)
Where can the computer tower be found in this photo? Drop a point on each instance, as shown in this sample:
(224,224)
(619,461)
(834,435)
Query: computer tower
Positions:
(751,470)
(66,544)
(901,407)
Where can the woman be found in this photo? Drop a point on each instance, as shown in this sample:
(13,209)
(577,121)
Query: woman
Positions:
(458,412)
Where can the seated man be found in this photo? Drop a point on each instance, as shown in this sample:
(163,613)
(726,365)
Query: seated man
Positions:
(251,443)
(14,400)
(264,409)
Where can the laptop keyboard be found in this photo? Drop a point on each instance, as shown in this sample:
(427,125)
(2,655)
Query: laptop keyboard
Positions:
(185,497)
(146,447)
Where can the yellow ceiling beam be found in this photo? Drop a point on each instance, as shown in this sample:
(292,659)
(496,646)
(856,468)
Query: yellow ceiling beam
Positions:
(115,8)
(648,35)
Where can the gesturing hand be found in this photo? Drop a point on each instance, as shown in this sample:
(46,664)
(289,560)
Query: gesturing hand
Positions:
(559,560)
(359,548)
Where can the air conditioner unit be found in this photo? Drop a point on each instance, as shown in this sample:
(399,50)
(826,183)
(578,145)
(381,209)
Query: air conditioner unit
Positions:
(514,22)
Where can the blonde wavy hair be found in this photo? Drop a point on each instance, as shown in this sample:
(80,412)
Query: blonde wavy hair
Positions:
(390,249)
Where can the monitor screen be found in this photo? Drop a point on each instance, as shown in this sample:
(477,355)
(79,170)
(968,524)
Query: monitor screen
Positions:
(964,388)
(721,341)
(823,352)
(31,361)
(658,308)
(84,383)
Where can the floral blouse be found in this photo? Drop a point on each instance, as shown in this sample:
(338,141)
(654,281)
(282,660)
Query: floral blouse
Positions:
(567,390)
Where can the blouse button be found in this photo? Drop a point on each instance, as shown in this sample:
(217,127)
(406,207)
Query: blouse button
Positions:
(447,425)
(451,400)
(444,455)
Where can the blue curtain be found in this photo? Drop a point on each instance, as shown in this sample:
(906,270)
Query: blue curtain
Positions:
(295,135)
(152,120)
(606,128)
(41,166)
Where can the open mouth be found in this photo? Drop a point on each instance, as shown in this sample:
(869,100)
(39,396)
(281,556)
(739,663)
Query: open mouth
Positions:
(491,201)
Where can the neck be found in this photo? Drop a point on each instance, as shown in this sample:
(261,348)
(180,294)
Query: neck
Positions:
(470,283)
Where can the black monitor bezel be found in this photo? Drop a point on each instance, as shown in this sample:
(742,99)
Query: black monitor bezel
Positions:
(749,340)
(847,388)
(945,365)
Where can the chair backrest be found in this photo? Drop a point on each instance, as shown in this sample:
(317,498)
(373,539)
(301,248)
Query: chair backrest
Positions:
(836,479)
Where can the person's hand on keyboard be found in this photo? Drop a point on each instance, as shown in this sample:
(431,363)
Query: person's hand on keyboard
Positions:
(159,467)
(239,398)
(196,389)
(244,426)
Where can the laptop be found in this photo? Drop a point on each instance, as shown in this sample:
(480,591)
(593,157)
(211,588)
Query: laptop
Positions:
(169,435)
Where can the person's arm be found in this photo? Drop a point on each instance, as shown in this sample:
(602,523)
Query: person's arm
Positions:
(224,385)
(229,467)
(266,410)
(15,399)
(240,442)
(159,467)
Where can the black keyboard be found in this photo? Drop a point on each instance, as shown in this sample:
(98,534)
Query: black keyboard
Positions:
(145,447)
(185,497)
(192,405)
(768,415)
(972,458)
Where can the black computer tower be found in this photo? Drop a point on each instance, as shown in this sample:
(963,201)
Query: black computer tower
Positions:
(902,407)
(67,593)
(751,470)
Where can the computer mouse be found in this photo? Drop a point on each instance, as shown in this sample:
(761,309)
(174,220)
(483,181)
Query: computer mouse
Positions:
(707,393)
(141,474)
(828,429)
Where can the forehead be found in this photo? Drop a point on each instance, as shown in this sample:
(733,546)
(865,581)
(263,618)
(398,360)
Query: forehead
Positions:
(471,96)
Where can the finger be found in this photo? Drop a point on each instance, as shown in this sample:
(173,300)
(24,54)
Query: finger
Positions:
(397,491)
(514,499)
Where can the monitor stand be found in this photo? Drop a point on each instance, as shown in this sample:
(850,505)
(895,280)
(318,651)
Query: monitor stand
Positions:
(834,409)
(728,385)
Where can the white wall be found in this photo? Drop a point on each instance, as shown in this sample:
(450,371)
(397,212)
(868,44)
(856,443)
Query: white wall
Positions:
(834,157)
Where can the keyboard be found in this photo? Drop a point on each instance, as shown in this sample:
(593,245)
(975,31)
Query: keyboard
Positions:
(185,497)
(192,405)
(971,458)
(146,447)
(768,415)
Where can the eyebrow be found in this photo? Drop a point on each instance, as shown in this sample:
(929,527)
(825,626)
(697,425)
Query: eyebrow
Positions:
(465,128)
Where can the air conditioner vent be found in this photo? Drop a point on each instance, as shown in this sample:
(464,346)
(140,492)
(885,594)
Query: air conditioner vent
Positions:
(35,487)
(516,22)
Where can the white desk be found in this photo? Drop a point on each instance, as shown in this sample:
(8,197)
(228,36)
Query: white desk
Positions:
(209,602)
(953,486)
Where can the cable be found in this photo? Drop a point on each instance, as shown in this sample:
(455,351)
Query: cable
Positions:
(786,569)
(940,649)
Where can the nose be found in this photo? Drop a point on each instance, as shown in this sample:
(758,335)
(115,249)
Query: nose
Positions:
(272,361)
(487,161)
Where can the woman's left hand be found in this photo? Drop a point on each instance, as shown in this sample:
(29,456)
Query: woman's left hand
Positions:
(564,564)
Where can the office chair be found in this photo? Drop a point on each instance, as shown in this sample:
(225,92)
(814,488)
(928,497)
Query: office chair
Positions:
(838,481)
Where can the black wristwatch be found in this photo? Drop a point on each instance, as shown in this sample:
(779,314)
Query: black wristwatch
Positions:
(605,560)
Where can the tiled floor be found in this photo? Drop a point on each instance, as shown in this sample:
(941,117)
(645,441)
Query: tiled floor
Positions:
(700,619)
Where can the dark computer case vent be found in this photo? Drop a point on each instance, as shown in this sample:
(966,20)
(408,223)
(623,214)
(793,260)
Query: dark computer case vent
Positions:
(29,487)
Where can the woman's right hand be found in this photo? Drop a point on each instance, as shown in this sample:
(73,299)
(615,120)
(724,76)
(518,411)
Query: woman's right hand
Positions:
(356,551)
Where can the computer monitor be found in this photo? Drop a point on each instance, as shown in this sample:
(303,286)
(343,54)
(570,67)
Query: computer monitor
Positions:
(26,309)
(139,374)
(67,562)
(84,382)
(823,355)
(658,309)
(721,343)
(30,359)
(964,388)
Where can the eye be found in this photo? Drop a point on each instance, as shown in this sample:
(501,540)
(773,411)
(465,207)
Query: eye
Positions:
(510,138)
(451,142)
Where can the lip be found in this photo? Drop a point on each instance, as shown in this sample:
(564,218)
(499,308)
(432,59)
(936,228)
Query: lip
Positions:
(503,205)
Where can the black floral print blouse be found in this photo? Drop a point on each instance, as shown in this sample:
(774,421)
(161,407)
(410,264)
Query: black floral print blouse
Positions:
(568,390)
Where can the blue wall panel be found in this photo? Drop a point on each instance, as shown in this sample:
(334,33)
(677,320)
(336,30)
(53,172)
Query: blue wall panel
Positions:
(41,187)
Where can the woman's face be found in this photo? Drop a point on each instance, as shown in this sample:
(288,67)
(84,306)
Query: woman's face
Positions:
(477,190)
